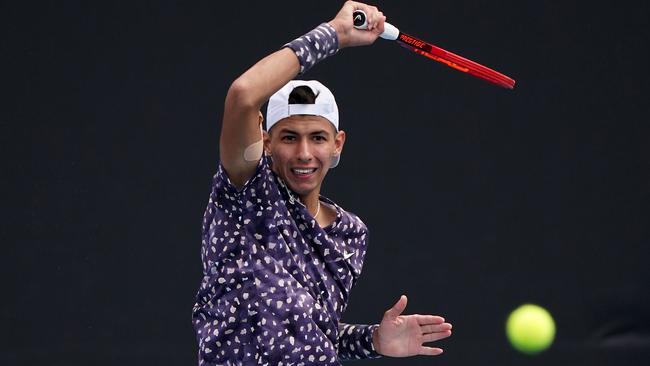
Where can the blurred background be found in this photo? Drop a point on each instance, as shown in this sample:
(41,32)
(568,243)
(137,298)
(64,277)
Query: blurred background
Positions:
(478,198)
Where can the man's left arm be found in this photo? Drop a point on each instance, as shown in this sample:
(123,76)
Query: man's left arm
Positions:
(396,336)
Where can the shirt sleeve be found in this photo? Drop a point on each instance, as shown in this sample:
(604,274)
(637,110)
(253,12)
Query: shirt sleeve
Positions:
(355,341)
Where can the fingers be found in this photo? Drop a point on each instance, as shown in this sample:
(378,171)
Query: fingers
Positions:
(373,15)
(374,18)
(435,328)
(429,319)
(397,309)
(379,29)
(344,25)
(430,351)
(432,337)
(434,332)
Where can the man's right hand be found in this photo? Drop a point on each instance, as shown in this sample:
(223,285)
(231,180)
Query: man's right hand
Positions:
(348,35)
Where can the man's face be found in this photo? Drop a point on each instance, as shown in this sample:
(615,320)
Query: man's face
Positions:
(302,148)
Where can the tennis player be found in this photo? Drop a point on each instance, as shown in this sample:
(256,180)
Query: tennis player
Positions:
(279,259)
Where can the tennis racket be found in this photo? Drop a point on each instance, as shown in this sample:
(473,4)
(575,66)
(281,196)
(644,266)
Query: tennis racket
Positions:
(427,49)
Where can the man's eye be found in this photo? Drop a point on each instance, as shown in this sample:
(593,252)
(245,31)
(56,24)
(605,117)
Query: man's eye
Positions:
(320,138)
(288,138)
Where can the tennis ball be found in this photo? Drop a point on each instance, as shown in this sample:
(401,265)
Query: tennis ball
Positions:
(530,329)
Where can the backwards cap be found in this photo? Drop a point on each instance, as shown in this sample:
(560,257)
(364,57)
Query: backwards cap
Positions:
(324,106)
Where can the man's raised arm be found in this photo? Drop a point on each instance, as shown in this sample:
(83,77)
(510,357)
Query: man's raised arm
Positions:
(240,141)
(242,118)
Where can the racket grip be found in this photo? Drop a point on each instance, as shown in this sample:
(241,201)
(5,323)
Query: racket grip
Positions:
(361,22)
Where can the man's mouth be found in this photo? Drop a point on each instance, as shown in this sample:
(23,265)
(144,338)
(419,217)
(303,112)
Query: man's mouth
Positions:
(303,172)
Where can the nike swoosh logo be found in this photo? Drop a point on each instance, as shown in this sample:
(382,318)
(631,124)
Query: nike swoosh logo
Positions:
(347,255)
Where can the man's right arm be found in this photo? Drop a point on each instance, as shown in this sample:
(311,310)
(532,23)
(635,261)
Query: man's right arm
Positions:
(242,119)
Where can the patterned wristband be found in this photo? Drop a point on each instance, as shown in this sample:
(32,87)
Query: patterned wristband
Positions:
(314,46)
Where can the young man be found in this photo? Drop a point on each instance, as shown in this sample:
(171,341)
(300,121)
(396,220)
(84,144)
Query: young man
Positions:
(280,260)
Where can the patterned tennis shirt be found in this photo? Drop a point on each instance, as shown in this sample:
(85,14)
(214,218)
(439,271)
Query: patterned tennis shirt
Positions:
(274,282)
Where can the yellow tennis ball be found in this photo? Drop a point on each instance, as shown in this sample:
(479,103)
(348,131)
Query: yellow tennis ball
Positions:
(530,329)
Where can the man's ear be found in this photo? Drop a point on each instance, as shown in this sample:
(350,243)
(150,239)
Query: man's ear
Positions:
(267,142)
(339,141)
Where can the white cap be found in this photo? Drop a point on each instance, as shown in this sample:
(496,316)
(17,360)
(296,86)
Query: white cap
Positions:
(324,106)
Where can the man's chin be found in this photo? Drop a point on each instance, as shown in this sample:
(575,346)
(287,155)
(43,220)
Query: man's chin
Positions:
(301,189)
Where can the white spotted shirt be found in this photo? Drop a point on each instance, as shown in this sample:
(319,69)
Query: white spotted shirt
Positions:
(275,283)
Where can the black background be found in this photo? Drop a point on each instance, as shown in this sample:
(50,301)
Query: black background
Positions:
(478,198)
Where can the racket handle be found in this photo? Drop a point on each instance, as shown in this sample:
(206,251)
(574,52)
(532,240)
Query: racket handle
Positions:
(361,22)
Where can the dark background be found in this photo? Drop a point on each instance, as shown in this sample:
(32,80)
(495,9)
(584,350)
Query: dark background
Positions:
(478,199)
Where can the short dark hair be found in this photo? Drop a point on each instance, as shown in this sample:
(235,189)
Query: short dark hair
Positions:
(302,95)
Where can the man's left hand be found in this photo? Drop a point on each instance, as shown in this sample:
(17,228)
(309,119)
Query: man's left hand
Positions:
(403,335)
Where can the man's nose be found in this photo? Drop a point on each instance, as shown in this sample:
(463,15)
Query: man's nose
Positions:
(304,150)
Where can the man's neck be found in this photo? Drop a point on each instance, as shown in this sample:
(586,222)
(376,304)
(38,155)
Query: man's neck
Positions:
(311,201)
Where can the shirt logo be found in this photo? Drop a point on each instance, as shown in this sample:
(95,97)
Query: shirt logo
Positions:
(347,255)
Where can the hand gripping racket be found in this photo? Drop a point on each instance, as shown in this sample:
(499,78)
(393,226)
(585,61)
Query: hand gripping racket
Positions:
(436,53)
